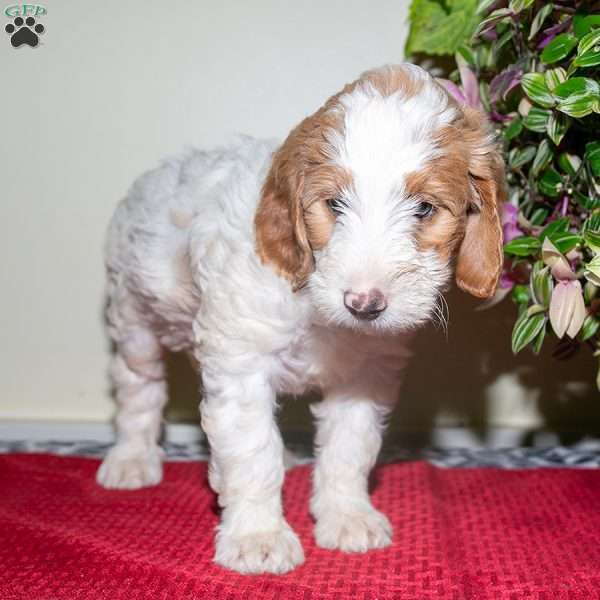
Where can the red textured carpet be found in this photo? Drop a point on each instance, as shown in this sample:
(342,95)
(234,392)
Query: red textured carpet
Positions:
(458,534)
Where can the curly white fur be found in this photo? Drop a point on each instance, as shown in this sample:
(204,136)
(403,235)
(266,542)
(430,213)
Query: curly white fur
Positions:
(183,273)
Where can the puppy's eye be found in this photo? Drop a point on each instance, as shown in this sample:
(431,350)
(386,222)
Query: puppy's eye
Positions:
(337,205)
(424,210)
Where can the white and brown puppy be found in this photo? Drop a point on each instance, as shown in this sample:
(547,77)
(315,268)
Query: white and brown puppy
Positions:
(294,266)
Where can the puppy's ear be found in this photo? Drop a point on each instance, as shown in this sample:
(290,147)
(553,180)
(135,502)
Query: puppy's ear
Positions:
(281,238)
(480,255)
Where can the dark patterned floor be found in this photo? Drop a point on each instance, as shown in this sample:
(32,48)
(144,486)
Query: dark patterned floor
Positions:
(586,454)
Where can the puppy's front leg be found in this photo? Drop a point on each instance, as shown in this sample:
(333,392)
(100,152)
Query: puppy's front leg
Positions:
(246,471)
(349,430)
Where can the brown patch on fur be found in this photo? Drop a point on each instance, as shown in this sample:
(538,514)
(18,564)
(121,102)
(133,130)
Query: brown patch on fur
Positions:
(467,184)
(444,182)
(390,79)
(292,218)
(481,254)
(322,182)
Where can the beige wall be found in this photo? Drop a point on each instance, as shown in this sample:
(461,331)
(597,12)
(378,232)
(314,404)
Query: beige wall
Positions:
(114,87)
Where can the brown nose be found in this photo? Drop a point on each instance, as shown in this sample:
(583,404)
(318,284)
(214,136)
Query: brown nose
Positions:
(365,305)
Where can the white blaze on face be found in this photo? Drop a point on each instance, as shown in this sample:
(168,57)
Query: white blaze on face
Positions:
(372,246)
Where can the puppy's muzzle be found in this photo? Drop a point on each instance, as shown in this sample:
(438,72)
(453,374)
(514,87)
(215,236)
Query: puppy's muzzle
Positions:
(366,306)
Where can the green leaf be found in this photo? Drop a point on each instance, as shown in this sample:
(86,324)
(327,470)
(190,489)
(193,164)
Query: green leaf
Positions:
(537,119)
(484,95)
(535,309)
(589,328)
(484,6)
(592,155)
(558,48)
(550,183)
(518,157)
(539,19)
(440,27)
(542,285)
(520,294)
(592,223)
(534,85)
(589,59)
(588,51)
(588,42)
(538,216)
(498,44)
(497,16)
(467,54)
(582,23)
(569,163)
(592,270)
(523,246)
(555,76)
(565,242)
(557,126)
(578,96)
(539,340)
(591,233)
(589,292)
(513,129)
(526,330)
(559,226)
(543,156)
(518,5)
(587,203)
(592,239)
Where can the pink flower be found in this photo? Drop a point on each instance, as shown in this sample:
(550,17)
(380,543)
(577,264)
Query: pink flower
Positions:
(567,307)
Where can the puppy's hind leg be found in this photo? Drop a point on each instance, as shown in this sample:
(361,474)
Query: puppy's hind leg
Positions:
(138,374)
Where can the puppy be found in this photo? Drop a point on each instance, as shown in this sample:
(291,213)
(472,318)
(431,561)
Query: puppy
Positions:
(302,265)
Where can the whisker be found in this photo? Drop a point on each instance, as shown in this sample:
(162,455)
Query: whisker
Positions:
(442,312)
(404,269)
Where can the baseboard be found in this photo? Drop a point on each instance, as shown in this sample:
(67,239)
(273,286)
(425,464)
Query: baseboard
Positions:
(439,437)
(70,431)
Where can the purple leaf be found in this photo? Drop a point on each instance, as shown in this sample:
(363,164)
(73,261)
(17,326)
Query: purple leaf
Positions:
(470,87)
(490,35)
(499,118)
(564,206)
(510,229)
(503,83)
(452,89)
(551,32)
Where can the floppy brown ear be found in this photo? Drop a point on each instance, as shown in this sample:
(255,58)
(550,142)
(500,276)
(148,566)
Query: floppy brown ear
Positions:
(281,238)
(480,256)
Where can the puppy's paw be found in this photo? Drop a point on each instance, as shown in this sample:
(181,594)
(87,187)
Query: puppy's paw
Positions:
(275,551)
(357,530)
(129,468)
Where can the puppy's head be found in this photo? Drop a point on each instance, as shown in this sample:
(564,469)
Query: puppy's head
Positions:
(370,201)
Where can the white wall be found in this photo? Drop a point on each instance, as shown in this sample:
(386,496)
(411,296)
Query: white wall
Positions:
(114,87)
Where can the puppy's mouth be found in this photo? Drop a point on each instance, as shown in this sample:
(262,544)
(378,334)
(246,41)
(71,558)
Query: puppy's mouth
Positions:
(365,316)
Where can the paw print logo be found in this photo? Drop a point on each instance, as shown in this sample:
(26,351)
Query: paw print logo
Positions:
(24,32)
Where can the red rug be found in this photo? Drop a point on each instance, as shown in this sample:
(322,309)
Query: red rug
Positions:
(458,534)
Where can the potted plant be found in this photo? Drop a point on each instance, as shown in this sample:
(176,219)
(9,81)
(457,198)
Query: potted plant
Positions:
(534,67)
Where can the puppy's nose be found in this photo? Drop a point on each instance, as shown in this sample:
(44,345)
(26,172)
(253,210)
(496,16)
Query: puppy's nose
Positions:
(365,305)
